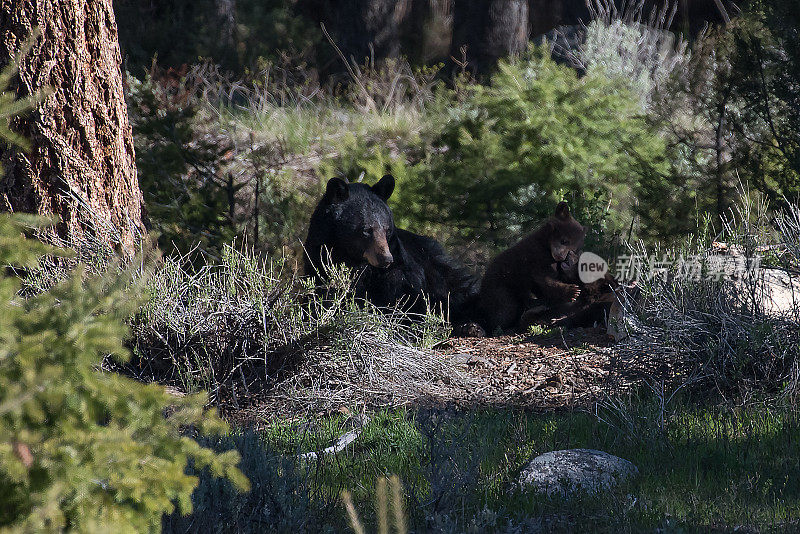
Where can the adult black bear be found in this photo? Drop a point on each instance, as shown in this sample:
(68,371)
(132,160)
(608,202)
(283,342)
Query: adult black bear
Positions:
(538,264)
(353,225)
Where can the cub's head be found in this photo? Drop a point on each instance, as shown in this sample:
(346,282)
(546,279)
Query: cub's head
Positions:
(363,223)
(564,235)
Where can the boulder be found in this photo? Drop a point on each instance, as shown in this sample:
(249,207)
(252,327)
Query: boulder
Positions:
(776,292)
(773,291)
(575,470)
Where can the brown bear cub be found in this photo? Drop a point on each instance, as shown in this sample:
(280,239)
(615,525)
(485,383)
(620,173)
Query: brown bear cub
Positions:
(538,264)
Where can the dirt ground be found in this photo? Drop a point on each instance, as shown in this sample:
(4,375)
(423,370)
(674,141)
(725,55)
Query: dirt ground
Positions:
(566,369)
(563,370)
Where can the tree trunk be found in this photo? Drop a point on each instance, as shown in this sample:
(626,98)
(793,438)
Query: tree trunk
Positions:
(226,11)
(81,166)
(429,31)
(362,28)
(546,15)
(490,29)
(384,21)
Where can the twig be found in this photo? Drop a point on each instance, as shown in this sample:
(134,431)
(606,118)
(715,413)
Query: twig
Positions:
(357,79)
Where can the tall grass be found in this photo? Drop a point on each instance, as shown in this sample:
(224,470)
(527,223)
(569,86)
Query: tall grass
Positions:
(251,328)
(734,335)
(385,101)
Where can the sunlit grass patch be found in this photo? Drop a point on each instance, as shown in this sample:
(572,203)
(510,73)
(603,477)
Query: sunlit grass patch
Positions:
(704,467)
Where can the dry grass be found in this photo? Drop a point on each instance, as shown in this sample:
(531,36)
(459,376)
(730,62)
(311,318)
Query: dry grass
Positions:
(249,330)
(728,334)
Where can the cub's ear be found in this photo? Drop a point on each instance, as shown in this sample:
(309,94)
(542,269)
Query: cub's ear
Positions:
(562,210)
(337,190)
(384,188)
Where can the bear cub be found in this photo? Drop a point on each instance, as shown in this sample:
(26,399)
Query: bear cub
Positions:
(543,263)
(353,225)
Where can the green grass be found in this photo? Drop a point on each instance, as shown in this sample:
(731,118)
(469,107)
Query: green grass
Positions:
(711,468)
(541,331)
(315,128)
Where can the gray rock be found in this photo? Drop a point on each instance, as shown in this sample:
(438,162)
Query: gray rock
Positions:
(773,291)
(776,292)
(583,470)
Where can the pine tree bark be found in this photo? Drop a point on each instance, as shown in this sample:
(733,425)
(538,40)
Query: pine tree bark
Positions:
(226,11)
(429,31)
(363,29)
(384,22)
(81,165)
(490,29)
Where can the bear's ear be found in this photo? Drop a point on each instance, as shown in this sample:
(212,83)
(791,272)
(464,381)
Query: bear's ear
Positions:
(384,188)
(337,190)
(562,210)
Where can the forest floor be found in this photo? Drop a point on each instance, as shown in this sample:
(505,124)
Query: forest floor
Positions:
(703,466)
(552,370)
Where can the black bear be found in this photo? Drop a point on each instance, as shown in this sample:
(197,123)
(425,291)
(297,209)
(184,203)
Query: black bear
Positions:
(353,225)
(538,264)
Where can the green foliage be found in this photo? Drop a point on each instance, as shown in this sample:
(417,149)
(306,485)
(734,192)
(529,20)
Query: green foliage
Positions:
(692,109)
(730,117)
(80,448)
(537,134)
(10,105)
(765,66)
(280,209)
(357,156)
(189,202)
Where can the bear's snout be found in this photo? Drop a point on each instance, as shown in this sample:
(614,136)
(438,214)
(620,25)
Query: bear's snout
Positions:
(385,261)
(381,259)
(378,254)
(560,255)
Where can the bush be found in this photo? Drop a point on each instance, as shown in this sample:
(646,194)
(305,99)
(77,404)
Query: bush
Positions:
(537,134)
(730,117)
(246,325)
(679,93)
(765,66)
(641,56)
(725,333)
(83,449)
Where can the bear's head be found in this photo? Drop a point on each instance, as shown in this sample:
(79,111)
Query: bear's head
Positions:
(565,237)
(363,223)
